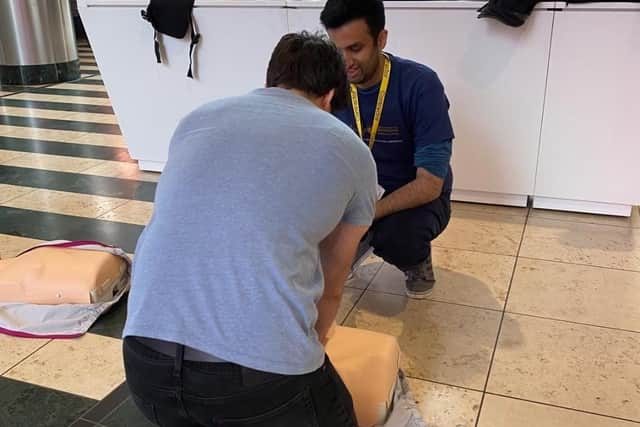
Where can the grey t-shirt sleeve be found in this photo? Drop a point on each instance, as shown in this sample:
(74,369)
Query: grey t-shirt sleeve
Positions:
(362,207)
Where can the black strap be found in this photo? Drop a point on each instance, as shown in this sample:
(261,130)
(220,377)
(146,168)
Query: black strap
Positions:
(195,38)
(156,46)
(156,42)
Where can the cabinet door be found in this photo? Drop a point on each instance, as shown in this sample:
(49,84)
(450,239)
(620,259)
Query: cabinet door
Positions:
(495,77)
(590,146)
(305,17)
(149,98)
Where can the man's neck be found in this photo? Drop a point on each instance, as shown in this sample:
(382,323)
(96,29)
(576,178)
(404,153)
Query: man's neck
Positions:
(376,78)
(313,99)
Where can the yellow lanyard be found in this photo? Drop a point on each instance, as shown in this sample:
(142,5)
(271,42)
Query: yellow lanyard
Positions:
(386,74)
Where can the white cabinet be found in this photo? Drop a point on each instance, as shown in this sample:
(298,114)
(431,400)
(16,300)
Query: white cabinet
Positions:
(550,109)
(590,142)
(494,76)
(149,98)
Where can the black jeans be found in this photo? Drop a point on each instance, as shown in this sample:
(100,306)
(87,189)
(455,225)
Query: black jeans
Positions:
(404,238)
(173,392)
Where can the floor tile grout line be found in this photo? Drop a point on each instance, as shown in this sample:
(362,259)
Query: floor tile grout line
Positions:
(10,159)
(118,406)
(506,311)
(436,245)
(578,264)
(563,407)
(581,222)
(88,411)
(446,248)
(630,227)
(70,193)
(2,374)
(46,85)
(364,291)
(32,190)
(506,302)
(99,217)
(429,299)
(66,112)
(444,384)
(571,322)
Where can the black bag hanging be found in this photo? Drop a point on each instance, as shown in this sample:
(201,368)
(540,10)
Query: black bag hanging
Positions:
(173,18)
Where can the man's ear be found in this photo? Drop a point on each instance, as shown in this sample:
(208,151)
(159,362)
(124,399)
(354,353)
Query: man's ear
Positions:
(326,99)
(382,39)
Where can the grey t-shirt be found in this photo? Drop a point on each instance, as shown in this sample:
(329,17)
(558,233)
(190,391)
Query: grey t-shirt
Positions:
(229,263)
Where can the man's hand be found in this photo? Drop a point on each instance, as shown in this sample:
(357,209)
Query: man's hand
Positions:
(422,190)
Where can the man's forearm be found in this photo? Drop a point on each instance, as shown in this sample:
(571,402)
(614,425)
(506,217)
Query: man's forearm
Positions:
(329,303)
(328,307)
(336,254)
(422,190)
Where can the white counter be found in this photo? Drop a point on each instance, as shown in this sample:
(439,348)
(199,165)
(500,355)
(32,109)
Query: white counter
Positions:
(510,103)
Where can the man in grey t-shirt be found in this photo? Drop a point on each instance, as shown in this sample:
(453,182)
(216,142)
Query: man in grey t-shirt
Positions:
(239,274)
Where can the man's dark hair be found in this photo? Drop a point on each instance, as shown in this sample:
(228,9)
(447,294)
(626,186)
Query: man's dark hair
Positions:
(310,63)
(336,13)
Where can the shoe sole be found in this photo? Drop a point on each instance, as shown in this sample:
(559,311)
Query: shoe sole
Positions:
(419,295)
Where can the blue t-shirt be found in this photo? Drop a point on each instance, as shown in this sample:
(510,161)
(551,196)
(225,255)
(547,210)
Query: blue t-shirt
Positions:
(415,114)
(230,263)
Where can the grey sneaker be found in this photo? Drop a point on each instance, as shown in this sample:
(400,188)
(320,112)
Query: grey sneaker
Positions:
(420,280)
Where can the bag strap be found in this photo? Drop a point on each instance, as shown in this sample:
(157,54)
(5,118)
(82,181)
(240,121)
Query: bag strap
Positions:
(195,38)
(156,46)
(156,41)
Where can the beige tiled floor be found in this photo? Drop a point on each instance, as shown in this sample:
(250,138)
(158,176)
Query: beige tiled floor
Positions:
(58,115)
(121,170)
(582,243)
(60,98)
(582,367)
(502,412)
(488,232)
(132,212)
(568,350)
(89,366)
(576,293)
(10,192)
(80,205)
(75,86)
(446,406)
(16,350)
(46,134)
(50,162)
(11,246)
(465,277)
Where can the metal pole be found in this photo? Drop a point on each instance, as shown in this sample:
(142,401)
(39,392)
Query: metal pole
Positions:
(37,42)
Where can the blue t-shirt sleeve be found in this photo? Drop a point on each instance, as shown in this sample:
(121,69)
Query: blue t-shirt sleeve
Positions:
(432,129)
(361,208)
(435,158)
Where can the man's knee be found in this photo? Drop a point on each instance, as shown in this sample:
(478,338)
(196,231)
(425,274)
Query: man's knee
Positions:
(400,240)
(404,238)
